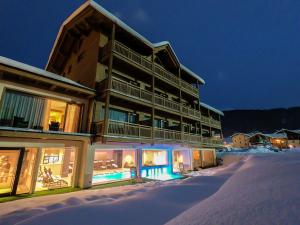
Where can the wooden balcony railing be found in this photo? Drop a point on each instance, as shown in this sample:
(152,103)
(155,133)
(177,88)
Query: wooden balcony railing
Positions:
(132,55)
(190,88)
(136,92)
(158,70)
(166,75)
(131,90)
(212,141)
(121,129)
(215,122)
(130,130)
(167,134)
(161,101)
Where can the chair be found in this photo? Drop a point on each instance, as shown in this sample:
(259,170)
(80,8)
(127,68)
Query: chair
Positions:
(54,126)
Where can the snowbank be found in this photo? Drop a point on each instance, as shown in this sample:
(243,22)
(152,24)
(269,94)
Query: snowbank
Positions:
(265,190)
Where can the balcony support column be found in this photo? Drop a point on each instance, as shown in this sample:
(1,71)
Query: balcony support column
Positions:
(180,97)
(153,100)
(109,83)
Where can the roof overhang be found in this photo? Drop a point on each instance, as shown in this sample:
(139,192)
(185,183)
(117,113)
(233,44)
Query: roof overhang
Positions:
(91,5)
(25,70)
(211,108)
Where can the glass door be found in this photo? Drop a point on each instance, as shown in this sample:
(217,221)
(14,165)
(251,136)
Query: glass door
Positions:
(26,175)
(10,165)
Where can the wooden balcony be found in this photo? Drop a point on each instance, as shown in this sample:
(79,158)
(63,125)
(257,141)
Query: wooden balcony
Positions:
(135,131)
(165,134)
(131,90)
(212,141)
(159,71)
(166,103)
(132,55)
(210,122)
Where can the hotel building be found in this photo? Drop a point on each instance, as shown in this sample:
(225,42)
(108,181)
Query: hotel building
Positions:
(118,105)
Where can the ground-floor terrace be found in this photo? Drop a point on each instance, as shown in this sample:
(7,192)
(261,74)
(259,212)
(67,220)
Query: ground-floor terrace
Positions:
(52,161)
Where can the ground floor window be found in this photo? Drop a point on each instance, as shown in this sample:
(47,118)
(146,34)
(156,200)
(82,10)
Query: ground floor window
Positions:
(56,168)
(113,165)
(181,160)
(155,157)
(8,166)
(203,158)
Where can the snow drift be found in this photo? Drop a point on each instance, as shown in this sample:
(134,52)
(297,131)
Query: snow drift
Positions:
(265,190)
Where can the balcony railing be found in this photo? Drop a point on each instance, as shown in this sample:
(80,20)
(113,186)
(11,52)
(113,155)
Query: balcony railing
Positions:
(166,75)
(136,92)
(129,130)
(158,70)
(131,90)
(212,141)
(161,101)
(167,134)
(132,55)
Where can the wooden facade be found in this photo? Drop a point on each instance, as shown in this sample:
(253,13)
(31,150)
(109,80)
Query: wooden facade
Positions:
(136,77)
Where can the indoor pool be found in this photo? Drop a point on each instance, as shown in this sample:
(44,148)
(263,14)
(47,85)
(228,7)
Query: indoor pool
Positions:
(100,178)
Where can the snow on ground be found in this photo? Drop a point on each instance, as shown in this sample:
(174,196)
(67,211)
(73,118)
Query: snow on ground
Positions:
(248,189)
(265,190)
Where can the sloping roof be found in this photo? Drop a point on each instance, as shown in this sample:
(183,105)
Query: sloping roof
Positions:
(293,131)
(121,24)
(40,72)
(192,73)
(212,108)
(276,135)
(166,43)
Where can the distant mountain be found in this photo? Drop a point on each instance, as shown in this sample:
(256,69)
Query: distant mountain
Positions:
(267,121)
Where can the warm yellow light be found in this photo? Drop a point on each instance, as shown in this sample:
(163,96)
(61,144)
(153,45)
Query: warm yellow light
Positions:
(128,159)
(180,159)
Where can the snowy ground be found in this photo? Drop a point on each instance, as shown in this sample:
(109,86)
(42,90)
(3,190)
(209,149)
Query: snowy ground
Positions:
(248,189)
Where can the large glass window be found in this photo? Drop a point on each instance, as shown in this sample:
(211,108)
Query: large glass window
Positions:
(112,165)
(181,160)
(29,111)
(8,165)
(56,168)
(155,157)
(21,110)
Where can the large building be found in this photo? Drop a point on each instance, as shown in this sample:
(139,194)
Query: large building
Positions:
(118,102)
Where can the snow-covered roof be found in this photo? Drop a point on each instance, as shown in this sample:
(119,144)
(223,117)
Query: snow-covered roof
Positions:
(39,72)
(276,135)
(163,43)
(121,24)
(293,131)
(192,73)
(212,108)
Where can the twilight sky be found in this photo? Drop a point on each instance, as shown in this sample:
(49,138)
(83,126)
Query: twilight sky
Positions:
(247,51)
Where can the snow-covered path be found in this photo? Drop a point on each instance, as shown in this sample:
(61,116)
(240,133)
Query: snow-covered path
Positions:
(260,189)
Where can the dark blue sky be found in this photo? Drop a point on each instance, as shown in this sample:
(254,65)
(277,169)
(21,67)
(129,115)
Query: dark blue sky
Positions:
(247,51)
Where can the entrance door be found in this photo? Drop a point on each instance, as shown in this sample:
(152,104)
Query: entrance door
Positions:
(10,167)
